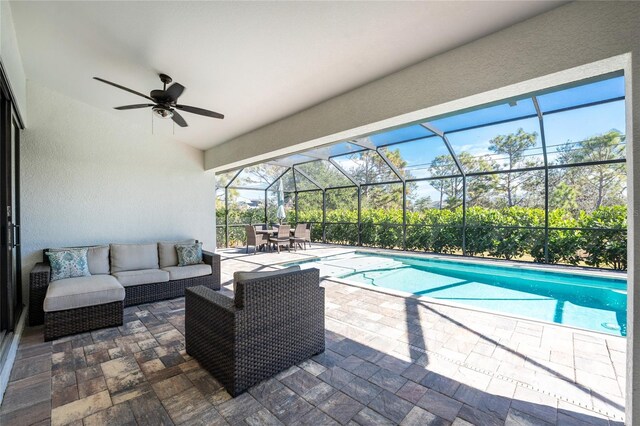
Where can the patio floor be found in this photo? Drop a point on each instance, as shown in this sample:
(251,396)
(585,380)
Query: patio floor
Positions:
(389,360)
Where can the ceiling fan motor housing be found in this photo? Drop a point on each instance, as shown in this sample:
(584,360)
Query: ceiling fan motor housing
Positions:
(160,96)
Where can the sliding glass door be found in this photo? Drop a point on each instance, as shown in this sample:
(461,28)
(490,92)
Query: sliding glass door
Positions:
(10,262)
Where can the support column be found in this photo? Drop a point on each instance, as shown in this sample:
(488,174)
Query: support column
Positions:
(546,179)
(464,215)
(226,218)
(324,216)
(359,212)
(404,215)
(265,206)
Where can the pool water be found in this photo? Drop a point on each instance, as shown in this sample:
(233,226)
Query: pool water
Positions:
(576,299)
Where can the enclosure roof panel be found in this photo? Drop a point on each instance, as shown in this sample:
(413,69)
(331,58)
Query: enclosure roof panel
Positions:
(599,91)
(485,116)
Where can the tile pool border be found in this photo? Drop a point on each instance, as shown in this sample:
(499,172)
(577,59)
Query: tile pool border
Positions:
(495,262)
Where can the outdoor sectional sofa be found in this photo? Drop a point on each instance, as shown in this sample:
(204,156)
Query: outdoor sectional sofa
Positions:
(121,275)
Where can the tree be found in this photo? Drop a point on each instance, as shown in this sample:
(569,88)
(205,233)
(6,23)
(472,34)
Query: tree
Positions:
(606,182)
(372,168)
(513,147)
(422,203)
(451,189)
(564,197)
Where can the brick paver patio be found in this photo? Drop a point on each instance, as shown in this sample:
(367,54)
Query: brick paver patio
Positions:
(389,360)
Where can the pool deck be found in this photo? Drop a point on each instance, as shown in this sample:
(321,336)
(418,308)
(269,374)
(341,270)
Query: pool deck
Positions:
(551,372)
(389,359)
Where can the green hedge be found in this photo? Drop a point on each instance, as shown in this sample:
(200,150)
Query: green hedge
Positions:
(490,232)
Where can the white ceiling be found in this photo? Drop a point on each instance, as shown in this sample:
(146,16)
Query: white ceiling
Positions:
(255,62)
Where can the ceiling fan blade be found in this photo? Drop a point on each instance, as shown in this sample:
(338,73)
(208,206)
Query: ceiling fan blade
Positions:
(134,106)
(199,111)
(123,88)
(174,91)
(177,118)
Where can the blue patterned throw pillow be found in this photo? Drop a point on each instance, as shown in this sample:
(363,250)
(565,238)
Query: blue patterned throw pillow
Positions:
(68,263)
(189,254)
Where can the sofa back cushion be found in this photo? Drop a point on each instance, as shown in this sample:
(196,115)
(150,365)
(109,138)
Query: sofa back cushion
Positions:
(97,258)
(167,253)
(133,257)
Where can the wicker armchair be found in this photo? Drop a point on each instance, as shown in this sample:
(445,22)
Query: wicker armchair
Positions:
(254,239)
(272,324)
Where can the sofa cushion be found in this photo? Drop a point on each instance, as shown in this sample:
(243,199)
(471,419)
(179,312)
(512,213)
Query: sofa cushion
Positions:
(184,272)
(97,258)
(189,254)
(70,263)
(143,276)
(167,252)
(133,257)
(244,276)
(72,293)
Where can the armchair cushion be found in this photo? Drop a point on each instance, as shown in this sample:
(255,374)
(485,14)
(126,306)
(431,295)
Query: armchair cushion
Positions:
(184,272)
(72,293)
(143,276)
(132,257)
(167,253)
(252,275)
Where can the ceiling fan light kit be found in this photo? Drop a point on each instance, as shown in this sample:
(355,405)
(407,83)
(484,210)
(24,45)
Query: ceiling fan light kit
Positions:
(162,112)
(165,101)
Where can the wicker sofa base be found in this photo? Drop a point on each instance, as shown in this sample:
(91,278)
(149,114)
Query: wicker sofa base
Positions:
(146,293)
(72,321)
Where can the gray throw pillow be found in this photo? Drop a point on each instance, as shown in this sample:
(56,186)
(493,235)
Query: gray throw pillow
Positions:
(189,254)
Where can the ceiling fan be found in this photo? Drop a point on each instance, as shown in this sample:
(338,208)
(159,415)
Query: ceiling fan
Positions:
(165,101)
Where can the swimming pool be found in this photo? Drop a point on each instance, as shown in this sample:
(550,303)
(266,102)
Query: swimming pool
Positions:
(576,299)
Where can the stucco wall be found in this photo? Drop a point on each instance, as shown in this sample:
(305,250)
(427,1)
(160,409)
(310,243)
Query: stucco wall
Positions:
(87,177)
(11,59)
(569,36)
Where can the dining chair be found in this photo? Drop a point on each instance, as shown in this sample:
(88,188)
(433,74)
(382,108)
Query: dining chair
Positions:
(307,235)
(299,236)
(282,237)
(254,239)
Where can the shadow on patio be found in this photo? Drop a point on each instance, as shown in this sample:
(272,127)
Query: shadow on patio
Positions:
(139,373)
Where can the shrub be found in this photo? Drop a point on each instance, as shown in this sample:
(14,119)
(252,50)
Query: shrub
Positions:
(502,233)
(605,247)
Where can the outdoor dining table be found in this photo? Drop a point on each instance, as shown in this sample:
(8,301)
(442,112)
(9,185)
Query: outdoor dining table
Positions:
(271,231)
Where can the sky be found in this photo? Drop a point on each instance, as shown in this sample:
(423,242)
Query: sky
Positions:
(561,127)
